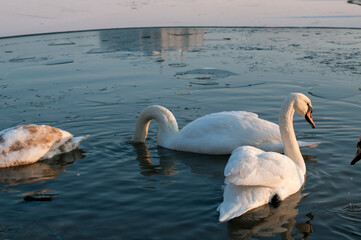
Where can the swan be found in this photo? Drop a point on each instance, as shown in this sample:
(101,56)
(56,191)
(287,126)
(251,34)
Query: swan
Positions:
(358,153)
(255,177)
(25,144)
(217,133)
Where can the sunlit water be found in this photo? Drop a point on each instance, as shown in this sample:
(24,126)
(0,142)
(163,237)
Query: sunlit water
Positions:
(96,83)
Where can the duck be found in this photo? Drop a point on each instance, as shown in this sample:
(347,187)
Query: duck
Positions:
(26,144)
(358,152)
(254,177)
(217,133)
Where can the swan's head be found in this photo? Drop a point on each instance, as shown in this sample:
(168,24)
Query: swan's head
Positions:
(303,106)
(358,152)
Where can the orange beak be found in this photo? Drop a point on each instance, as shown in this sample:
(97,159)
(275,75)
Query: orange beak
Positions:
(308,117)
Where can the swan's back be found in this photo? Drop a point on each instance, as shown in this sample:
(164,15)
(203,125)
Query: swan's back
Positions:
(221,133)
(28,143)
(250,166)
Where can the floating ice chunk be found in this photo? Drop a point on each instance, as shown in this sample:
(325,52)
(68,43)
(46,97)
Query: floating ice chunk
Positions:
(61,43)
(211,73)
(333,93)
(58,62)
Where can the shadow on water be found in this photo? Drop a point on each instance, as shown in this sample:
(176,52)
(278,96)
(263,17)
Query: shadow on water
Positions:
(167,161)
(39,171)
(267,221)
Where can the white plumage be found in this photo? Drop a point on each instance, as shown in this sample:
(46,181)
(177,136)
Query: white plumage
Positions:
(254,177)
(27,144)
(217,133)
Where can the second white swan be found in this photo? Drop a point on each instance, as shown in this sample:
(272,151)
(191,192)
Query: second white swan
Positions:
(217,133)
(255,177)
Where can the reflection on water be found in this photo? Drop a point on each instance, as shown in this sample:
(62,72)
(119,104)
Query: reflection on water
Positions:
(39,171)
(148,167)
(157,41)
(164,161)
(267,221)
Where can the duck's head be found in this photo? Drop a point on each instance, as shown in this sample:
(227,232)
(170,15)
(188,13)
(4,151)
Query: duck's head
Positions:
(358,152)
(303,106)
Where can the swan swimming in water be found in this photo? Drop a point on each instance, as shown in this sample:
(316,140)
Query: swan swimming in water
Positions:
(217,133)
(358,153)
(27,144)
(255,177)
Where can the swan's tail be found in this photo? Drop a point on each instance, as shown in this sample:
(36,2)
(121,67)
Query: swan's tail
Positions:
(237,200)
(77,140)
(308,144)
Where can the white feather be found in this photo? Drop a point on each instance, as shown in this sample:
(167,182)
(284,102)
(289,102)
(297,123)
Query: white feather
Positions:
(217,133)
(254,177)
(27,144)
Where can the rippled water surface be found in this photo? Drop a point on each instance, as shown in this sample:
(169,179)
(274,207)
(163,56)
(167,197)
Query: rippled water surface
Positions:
(96,83)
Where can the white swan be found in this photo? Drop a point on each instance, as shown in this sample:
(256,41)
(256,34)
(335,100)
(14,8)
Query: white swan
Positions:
(27,144)
(217,133)
(255,177)
(358,153)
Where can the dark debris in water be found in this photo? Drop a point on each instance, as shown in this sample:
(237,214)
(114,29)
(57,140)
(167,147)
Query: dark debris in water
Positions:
(40,198)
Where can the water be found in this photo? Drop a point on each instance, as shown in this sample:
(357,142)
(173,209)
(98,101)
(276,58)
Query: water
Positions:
(96,83)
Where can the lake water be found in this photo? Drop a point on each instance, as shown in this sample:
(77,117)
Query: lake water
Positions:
(96,83)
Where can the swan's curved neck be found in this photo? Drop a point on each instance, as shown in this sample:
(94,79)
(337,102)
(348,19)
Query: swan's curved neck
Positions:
(166,121)
(291,148)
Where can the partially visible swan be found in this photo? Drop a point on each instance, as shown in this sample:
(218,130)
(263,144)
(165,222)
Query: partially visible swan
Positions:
(358,153)
(27,144)
(255,177)
(217,133)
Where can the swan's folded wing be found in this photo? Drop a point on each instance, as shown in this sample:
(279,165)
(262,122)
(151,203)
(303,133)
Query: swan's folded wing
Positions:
(221,133)
(249,166)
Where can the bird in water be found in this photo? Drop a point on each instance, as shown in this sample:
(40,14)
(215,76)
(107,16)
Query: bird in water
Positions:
(217,133)
(27,144)
(358,152)
(255,177)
